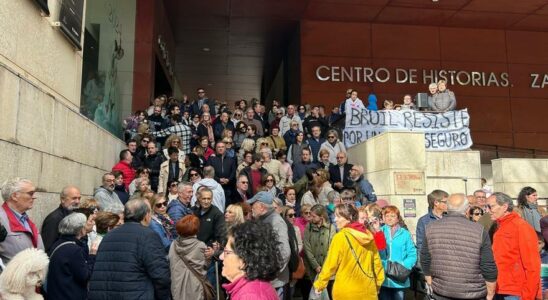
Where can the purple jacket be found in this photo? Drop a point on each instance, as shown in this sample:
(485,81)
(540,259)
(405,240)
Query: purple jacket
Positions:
(242,289)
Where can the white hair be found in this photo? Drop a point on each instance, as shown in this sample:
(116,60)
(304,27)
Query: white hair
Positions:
(24,271)
(433,85)
(72,224)
(13,185)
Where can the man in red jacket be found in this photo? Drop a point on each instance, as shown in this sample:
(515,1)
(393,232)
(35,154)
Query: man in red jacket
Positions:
(124,166)
(515,251)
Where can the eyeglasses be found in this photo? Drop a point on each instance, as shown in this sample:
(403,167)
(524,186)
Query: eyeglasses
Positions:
(158,205)
(330,137)
(201,92)
(347,198)
(269,180)
(173,185)
(237,115)
(306,212)
(244,182)
(30,193)
(193,174)
(291,215)
(176,142)
(145,141)
(279,114)
(478,214)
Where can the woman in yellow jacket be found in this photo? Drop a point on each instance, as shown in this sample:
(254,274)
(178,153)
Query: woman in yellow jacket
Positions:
(352,258)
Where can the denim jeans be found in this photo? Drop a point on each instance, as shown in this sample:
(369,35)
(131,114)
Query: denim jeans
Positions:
(507,297)
(391,294)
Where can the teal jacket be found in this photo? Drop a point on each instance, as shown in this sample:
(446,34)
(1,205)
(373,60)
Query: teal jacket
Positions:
(401,249)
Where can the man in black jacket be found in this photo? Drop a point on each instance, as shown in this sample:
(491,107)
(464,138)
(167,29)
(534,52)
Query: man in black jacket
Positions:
(339,175)
(70,199)
(131,262)
(212,221)
(153,162)
(225,169)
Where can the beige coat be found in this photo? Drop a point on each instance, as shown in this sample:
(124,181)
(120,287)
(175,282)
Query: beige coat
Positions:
(164,174)
(274,167)
(184,285)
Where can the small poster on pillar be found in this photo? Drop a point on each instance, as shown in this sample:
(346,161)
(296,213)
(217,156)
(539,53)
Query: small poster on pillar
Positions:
(409,183)
(442,131)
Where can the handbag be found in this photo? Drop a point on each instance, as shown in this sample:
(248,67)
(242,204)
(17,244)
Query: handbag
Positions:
(299,273)
(396,271)
(209,291)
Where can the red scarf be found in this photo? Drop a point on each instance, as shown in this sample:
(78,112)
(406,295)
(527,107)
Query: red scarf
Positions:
(380,241)
(16,226)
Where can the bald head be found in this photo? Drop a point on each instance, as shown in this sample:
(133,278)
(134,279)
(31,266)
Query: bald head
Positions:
(457,203)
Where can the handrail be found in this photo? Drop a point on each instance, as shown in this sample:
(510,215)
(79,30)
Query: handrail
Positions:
(497,149)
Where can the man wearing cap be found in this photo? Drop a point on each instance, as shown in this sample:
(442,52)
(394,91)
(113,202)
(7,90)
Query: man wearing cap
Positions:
(262,210)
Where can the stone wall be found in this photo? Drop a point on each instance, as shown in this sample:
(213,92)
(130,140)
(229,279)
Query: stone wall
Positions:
(510,175)
(43,137)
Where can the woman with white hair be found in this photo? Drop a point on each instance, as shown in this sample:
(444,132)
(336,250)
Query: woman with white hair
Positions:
(70,266)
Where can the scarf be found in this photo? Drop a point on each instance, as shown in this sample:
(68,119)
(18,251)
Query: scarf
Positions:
(532,216)
(168,225)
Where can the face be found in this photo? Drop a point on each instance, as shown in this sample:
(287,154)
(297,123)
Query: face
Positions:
(354,95)
(391,219)
(341,159)
(157,111)
(316,132)
(291,216)
(362,217)
(269,182)
(532,198)
(119,180)
(151,148)
(201,93)
(279,114)
(194,176)
(243,184)
(315,219)
(497,211)
(335,110)
(442,86)
(407,100)
(290,110)
(72,199)
(108,182)
(173,188)
(257,209)
(290,196)
(90,223)
(161,206)
(325,157)
(275,131)
(302,109)
(233,265)
(144,174)
(132,147)
(206,117)
(224,117)
(249,114)
(306,156)
(354,172)
(176,143)
(176,110)
(480,198)
(476,215)
(295,126)
(433,90)
(144,142)
(205,199)
(248,158)
(229,216)
(221,148)
(174,156)
(441,205)
(186,194)
(305,213)
(340,221)
(237,115)
(143,186)
(204,143)
(348,199)
(250,131)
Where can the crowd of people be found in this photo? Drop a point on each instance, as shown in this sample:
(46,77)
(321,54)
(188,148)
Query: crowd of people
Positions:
(211,201)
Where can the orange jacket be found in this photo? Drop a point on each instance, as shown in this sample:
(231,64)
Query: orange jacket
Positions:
(517,257)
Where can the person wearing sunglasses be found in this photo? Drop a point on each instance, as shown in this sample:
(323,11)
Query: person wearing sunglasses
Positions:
(161,223)
(475,213)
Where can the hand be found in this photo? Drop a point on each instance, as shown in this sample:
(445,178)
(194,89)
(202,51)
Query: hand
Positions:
(318,269)
(428,279)
(93,249)
(338,185)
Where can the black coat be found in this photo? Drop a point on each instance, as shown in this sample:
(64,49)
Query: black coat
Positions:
(120,190)
(131,264)
(196,110)
(335,175)
(69,270)
(50,232)
(225,167)
(212,225)
(153,162)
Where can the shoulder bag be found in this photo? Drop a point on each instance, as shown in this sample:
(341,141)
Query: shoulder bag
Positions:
(374,277)
(209,291)
(396,271)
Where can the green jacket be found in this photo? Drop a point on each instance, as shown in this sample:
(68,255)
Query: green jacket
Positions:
(316,243)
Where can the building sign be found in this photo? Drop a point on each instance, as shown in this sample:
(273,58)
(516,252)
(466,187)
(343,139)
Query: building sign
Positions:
(442,131)
(43,4)
(409,183)
(409,208)
(71,17)
(363,74)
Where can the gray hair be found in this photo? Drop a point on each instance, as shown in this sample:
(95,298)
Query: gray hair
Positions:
(72,224)
(333,132)
(136,210)
(460,206)
(502,199)
(278,201)
(182,185)
(13,185)
(267,151)
(331,196)
(209,172)
(65,190)
(433,85)
(140,180)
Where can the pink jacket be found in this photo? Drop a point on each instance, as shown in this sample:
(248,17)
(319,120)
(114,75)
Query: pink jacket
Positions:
(242,289)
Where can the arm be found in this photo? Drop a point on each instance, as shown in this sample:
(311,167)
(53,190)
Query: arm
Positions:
(308,255)
(299,238)
(368,191)
(162,179)
(161,133)
(289,155)
(452,101)
(426,259)
(410,253)
(419,234)
(220,228)
(531,261)
(331,263)
(175,212)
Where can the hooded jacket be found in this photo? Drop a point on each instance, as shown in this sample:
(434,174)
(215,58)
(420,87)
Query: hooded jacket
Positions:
(401,249)
(184,285)
(351,282)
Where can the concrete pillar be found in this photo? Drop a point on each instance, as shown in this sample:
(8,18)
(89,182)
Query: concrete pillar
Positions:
(510,175)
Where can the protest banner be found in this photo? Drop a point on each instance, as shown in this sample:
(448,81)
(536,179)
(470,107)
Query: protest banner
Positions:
(442,131)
